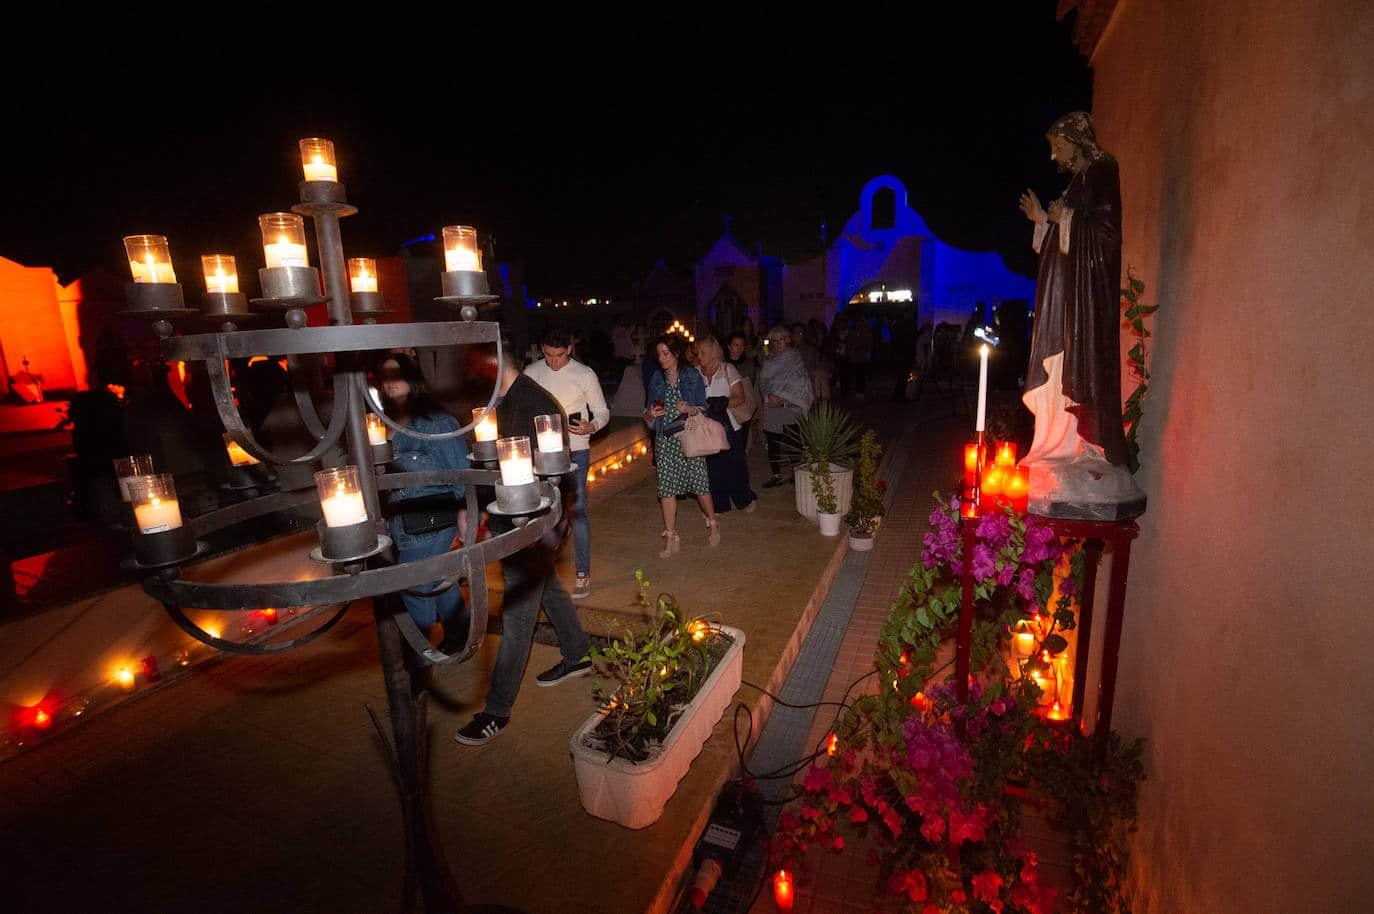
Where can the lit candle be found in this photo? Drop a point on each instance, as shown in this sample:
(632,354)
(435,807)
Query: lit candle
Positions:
(548,431)
(513,454)
(1006,453)
(317,159)
(1018,488)
(982,388)
(340,497)
(994,479)
(1025,641)
(362,274)
(221,274)
(1058,712)
(485,429)
(237,455)
(125,677)
(460,248)
(150,260)
(283,239)
(155,504)
(376,431)
(970,465)
(782,891)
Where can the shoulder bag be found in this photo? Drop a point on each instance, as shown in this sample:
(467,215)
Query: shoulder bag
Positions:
(702,437)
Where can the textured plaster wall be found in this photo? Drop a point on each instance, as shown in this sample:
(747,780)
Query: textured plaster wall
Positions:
(1245,134)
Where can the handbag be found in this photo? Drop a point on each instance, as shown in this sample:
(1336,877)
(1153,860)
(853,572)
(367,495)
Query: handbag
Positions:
(746,410)
(426,515)
(702,437)
(672,427)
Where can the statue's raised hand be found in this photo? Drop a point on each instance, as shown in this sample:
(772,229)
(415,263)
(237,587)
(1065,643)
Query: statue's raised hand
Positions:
(1030,205)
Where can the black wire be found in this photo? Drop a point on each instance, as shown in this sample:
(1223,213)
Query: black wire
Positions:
(788,704)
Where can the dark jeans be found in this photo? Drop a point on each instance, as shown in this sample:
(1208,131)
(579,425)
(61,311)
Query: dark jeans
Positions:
(775,440)
(530,581)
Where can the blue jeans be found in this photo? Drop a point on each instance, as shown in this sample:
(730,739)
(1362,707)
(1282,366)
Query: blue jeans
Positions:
(581,526)
(448,607)
(530,580)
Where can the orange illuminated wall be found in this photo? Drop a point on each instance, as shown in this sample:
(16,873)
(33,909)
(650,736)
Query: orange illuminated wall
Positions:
(33,326)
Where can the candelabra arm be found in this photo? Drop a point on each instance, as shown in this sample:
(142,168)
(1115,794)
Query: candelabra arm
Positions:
(400,429)
(184,623)
(233,422)
(305,403)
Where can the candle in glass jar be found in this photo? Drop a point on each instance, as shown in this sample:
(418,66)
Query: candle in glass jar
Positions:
(1025,641)
(283,239)
(548,431)
(460,248)
(362,274)
(283,253)
(513,454)
(485,429)
(1006,453)
(992,487)
(318,170)
(150,260)
(221,274)
(970,465)
(317,159)
(1018,488)
(344,508)
(376,431)
(158,515)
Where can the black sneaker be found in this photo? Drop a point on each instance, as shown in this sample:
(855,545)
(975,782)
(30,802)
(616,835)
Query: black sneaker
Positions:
(564,670)
(481,729)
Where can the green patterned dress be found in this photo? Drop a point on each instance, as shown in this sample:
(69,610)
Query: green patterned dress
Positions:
(678,475)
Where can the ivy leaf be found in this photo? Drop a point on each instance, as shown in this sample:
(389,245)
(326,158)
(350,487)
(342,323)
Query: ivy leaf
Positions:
(651,718)
(923,617)
(1137,285)
(1055,643)
(1066,619)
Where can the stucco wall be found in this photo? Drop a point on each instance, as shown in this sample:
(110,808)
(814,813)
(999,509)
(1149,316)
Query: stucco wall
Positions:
(31,324)
(1245,134)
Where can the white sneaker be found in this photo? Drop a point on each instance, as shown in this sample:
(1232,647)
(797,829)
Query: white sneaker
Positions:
(583,587)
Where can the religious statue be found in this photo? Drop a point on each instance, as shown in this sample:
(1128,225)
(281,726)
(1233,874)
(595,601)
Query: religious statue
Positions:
(1078,456)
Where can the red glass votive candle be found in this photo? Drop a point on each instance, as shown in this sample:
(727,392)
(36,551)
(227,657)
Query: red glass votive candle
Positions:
(1018,489)
(970,465)
(1006,453)
(993,488)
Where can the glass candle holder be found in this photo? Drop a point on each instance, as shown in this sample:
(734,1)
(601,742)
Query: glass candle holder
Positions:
(1023,640)
(1018,488)
(548,432)
(221,275)
(513,454)
(283,239)
(1006,453)
(237,455)
(154,498)
(376,431)
(485,429)
(991,490)
(127,468)
(317,159)
(362,274)
(460,248)
(150,260)
(341,497)
(971,455)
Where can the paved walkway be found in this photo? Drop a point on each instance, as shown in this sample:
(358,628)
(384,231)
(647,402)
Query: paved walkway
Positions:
(256,784)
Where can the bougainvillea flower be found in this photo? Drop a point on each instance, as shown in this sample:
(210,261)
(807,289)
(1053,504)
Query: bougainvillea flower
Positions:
(1025,584)
(984,562)
(858,814)
(817,779)
(987,886)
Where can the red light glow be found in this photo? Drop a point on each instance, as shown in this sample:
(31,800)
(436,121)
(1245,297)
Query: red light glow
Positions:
(782,891)
(832,744)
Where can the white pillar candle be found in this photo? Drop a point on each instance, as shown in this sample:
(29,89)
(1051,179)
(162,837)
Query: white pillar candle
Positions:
(550,442)
(485,430)
(343,509)
(363,283)
(982,387)
(1025,644)
(158,515)
(319,170)
(376,431)
(461,259)
(285,254)
(513,454)
(150,270)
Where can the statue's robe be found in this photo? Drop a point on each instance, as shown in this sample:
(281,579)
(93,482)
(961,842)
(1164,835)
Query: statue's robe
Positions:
(1075,365)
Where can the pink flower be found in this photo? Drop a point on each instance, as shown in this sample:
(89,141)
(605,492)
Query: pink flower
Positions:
(931,908)
(1005,574)
(984,563)
(788,822)
(958,896)
(987,886)
(809,813)
(817,779)
(1037,544)
(967,826)
(838,844)
(1068,587)
(858,814)
(932,828)
(894,823)
(1025,584)
(911,883)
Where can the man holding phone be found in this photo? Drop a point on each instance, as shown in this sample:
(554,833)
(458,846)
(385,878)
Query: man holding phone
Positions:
(577,390)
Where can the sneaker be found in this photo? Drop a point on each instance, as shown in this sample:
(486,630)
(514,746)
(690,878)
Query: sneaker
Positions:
(564,670)
(583,587)
(481,729)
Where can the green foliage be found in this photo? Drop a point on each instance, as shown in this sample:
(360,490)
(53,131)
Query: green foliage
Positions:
(823,483)
(647,677)
(825,435)
(1138,359)
(866,506)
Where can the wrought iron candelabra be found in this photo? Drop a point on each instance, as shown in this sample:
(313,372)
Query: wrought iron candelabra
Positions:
(352,538)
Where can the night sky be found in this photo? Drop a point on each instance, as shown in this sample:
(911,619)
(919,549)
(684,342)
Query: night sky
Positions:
(586,152)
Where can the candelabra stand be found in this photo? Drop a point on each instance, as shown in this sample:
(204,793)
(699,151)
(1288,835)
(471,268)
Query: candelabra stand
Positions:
(358,553)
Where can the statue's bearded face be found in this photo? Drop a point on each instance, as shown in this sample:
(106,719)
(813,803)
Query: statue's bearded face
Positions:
(1064,153)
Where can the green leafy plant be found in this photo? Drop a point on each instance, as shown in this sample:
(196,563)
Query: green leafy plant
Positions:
(825,435)
(940,783)
(649,676)
(823,483)
(1137,359)
(866,506)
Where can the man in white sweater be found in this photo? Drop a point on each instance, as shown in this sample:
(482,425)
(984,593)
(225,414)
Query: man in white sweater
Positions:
(577,390)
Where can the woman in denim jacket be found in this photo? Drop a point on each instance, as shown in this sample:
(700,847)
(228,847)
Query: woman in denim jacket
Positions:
(424,521)
(678,390)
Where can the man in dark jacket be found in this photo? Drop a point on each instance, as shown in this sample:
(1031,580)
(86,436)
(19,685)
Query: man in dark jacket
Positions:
(530,581)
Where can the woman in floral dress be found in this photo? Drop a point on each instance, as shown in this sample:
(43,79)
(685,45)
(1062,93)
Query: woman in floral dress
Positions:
(677,389)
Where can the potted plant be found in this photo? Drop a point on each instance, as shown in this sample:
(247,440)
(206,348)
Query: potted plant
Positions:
(866,508)
(824,437)
(827,510)
(664,688)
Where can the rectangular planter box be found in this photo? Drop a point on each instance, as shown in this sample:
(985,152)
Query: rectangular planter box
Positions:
(634,795)
(806,495)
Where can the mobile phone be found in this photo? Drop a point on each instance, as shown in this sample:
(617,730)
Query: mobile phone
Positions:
(658,404)
(575,417)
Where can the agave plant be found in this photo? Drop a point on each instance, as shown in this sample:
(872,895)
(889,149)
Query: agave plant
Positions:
(825,435)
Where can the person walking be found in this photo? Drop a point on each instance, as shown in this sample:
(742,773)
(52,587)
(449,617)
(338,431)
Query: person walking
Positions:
(578,392)
(424,521)
(530,581)
(786,391)
(677,389)
(728,471)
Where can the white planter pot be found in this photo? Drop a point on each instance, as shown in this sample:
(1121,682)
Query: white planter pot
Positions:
(861,543)
(633,795)
(830,524)
(843,478)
